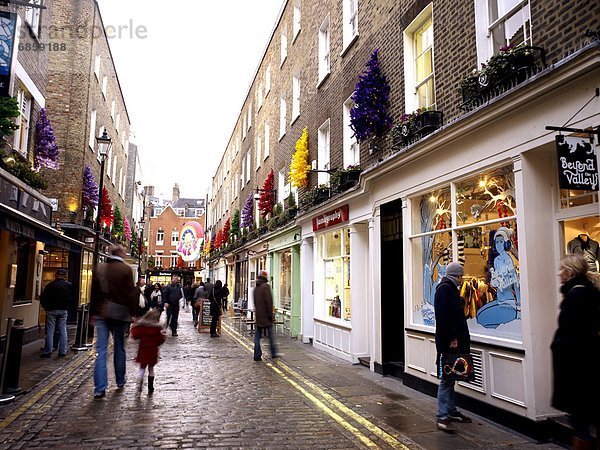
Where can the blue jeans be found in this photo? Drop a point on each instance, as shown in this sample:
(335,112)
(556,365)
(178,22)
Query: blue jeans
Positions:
(104,327)
(446,399)
(257,335)
(52,318)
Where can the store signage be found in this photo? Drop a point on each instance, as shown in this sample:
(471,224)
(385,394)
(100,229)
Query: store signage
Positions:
(577,164)
(8,24)
(330,218)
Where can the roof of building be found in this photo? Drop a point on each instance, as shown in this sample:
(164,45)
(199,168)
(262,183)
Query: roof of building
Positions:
(189,203)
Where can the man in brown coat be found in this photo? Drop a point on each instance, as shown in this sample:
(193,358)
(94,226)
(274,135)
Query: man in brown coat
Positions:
(113,303)
(263,305)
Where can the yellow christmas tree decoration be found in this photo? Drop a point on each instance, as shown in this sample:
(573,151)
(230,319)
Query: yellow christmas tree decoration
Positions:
(299,166)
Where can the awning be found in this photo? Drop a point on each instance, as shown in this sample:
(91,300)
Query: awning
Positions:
(21,224)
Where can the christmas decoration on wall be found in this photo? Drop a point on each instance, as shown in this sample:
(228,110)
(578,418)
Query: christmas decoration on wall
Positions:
(267,196)
(90,189)
(226,229)
(127,229)
(9,110)
(247,212)
(219,238)
(106,213)
(299,166)
(234,231)
(134,244)
(117,223)
(207,246)
(369,115)
(46,150)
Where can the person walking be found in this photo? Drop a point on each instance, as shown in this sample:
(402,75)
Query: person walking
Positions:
(225,295)
(575,350)
(172,294)
(149,332)
(155,297)
(199,295)
(215,296)
(143,303)
(263,305)
(55,300)
(113,304)
(451,336)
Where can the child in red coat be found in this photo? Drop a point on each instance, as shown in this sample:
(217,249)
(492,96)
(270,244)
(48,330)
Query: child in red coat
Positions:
(151,336)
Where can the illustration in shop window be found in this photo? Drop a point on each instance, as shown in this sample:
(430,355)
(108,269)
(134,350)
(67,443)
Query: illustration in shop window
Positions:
(489,253)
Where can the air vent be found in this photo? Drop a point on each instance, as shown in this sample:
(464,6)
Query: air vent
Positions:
(477,383)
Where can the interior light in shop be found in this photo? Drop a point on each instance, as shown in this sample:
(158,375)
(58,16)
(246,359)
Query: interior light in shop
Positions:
(482,183)
(432,199)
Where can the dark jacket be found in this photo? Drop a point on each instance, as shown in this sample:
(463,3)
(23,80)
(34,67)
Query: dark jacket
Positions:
(171,295)
(215,301)
(263,304)
(57,295)
(450,321)
(576,348)
(120,286)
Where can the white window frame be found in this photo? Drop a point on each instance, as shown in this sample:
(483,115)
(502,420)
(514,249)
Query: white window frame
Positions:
(113,109)
(21,138)
(282,117)
(324,49)
(324,152)
(104,85)
(258,152)
(283,46)
(92,138)
(118,122)
(351,146)
(295,97)
(173,258)
(297,21)
(267,80)
(248,165)
(259,96)
(114,171)
(32,16)
(158,256)
(267,139)
(249,122)
(159,234)
(244,129)
(97,65)
(411,97)
(350,27)
(174,238)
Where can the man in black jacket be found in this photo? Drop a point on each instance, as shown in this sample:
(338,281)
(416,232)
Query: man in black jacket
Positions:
(451,336)
(171,295)
(55,300)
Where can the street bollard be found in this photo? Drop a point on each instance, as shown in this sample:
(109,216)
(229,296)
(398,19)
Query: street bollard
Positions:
(81,335)
(13,360)
(5,398)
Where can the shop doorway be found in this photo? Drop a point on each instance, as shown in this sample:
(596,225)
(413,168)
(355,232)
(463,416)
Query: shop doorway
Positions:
(241,283)
(392,290)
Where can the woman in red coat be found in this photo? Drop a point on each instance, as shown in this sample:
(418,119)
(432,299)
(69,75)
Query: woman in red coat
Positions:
(151,335)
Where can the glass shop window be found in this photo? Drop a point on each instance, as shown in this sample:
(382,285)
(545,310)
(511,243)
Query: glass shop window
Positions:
(285,280)
(335,256)
(582,236)
(22,272)
(482,236)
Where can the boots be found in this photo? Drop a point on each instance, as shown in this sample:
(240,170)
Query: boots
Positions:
(150,384)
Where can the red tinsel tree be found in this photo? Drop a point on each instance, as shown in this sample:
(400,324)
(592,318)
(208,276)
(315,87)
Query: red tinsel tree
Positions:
(219,239)
(267,196)
(106,212)
(226,228)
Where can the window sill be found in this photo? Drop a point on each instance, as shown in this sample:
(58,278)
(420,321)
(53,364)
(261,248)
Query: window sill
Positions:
(349,45)
(266,157)
(281,136)
(476,339)
(296,35)
(335,322)
(294,119)
(283,62)
(322,80)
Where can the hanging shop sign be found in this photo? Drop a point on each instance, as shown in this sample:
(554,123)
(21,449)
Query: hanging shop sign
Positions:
(190,238)
(577,164)
(8,25)
(330,218)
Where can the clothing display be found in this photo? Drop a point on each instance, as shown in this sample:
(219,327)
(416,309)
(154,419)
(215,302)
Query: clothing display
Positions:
(586,246)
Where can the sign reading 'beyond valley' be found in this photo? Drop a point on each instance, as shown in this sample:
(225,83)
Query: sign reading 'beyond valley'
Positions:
(577,165)
(330,218)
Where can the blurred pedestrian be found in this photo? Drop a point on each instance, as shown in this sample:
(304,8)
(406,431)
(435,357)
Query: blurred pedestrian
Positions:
(215,297)
(575,350)
(199,295)
(172,295)
(155,296)
(113,304)
(55,300)
(149,332)
(263,305)
(451,336)
(225,295)
(143,302)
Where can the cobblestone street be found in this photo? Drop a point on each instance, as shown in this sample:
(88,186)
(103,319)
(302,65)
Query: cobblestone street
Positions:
(210,393)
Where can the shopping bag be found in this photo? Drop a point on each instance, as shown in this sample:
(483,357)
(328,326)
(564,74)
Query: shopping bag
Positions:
(456,366)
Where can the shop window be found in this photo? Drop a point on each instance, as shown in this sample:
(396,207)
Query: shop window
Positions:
(285,280)
(334,250)
(86,276)
(582,236)
(24,271)
(483,238)
(573,198)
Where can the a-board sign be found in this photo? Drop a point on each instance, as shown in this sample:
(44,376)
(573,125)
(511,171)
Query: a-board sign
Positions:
(206,318)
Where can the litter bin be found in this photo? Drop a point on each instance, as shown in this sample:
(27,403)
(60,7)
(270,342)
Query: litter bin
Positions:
(13,361)
(81,336)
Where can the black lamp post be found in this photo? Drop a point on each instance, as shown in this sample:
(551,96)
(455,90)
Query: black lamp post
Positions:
(104,144)
(258,191)
(141,246)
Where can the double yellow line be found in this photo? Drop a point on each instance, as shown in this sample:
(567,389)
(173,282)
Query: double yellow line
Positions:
(324,401)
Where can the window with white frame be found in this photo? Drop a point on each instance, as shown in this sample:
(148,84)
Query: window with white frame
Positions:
(158,258)
(244,129)
(350,28)
(259,96)
(156,212)
(283,45)
(283,187)
(160,237)
(21,141)
(174,238)
(258,152)
(333,292)
(180,212)
(120,190)
(114,171)
(295,96)
(297,21)
(97,63)
(267,79)
(32,16)
(234,194)
(249,116)
(351,147)
(418,62)
(118,123)
(113,109)
(324,56)
(104,85)
(472,221)
(92,137)
(282,117)
(248,165)
(267,138)
(110,160)
(323,153)
(243,173)
(173,259)
(499,23)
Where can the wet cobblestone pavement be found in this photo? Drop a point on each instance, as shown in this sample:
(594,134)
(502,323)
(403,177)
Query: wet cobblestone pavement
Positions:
(211,394)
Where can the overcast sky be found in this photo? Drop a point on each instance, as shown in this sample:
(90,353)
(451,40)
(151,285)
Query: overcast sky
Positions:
(184,84)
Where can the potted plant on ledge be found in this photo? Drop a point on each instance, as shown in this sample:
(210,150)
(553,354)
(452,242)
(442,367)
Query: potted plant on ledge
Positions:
(347,178)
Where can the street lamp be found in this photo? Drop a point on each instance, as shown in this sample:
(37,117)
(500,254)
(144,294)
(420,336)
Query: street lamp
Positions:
(104,144)
(258,191)
(140,246)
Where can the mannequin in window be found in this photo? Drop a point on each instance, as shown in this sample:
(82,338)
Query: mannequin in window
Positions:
(586,246)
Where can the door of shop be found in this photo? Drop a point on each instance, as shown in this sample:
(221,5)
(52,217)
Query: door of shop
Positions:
(241,283)
(392,290)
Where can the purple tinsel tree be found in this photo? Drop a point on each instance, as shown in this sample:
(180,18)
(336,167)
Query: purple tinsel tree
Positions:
(90,188)
(248,212)
(46,150)
(127,228)
(371,96)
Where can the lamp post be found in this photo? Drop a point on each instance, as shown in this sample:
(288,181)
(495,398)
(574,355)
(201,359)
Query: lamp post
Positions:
(104,144)
(141,246)
(258,191)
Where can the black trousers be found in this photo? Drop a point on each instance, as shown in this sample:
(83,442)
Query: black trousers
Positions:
(172,318)
(213,324)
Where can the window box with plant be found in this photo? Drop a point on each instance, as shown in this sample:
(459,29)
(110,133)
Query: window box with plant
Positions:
(415,126)
(344,179)
(321,193)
